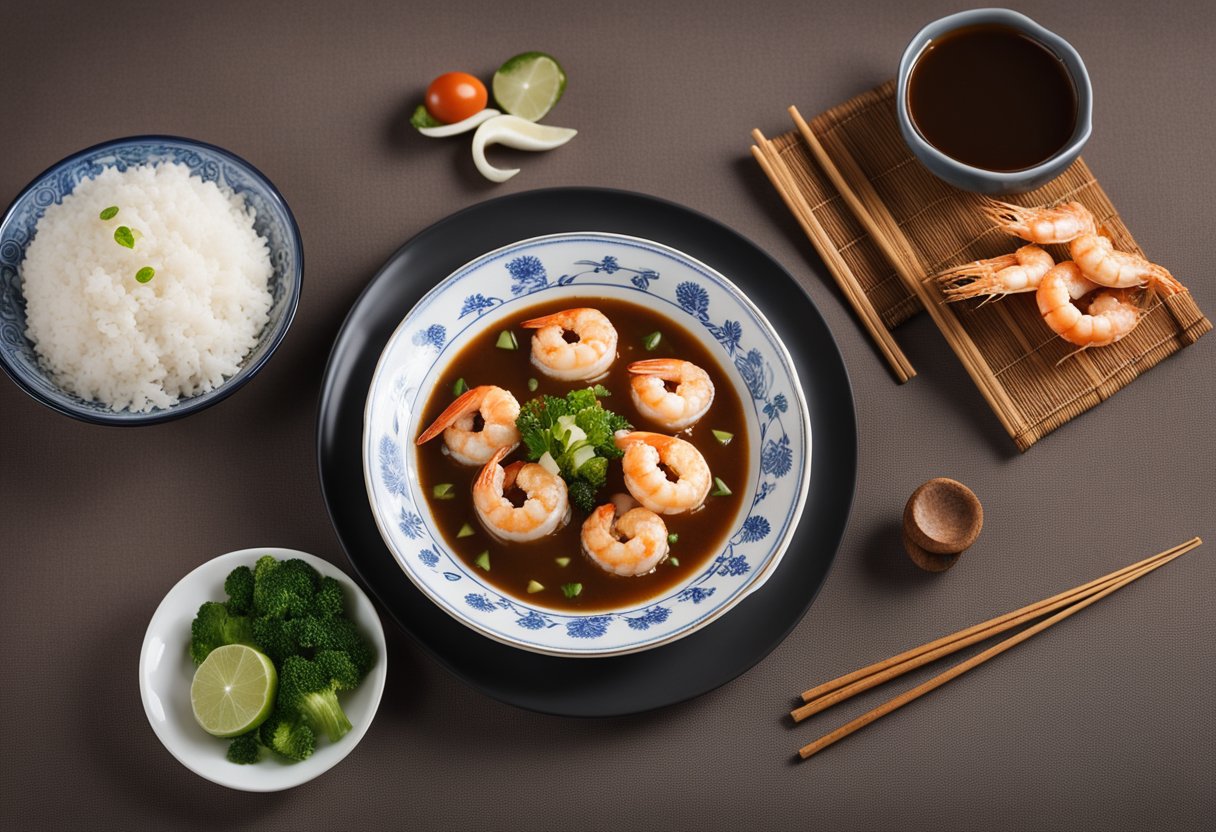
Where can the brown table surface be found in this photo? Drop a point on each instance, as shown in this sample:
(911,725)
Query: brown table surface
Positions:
(1105,722)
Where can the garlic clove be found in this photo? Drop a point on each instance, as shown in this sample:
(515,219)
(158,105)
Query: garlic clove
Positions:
(517,133)
(458,127)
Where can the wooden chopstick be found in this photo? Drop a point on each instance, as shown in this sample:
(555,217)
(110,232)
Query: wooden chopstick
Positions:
(772,165)
(975,661)
(968,635)
(859,194)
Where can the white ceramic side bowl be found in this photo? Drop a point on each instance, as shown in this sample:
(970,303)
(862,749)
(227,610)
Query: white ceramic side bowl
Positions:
(474,300)
(166,671)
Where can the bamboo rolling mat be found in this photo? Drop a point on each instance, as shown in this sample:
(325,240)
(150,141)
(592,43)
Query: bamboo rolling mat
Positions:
(891,225)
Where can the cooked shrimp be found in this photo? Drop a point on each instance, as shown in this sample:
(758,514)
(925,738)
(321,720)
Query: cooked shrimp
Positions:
(632,544)
(997,276)
(673,409)
(545,508)
(498,410)
(590,356)
(648,483)
(1099,262)
(1055,224)
(1111,315)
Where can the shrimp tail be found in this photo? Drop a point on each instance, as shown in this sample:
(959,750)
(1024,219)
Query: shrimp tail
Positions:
(1010,217)
(1165,282)
(485,478)
(466,402)
(626,438)
(662,367)
(975,279)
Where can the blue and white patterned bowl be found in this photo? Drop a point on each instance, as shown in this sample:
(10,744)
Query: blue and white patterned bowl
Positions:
(479,295)
(212,164)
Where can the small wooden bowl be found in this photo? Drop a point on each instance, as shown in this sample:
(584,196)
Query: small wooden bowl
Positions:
(942,518)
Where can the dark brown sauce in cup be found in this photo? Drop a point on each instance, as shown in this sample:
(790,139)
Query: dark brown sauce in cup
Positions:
(702,533)
(992,97)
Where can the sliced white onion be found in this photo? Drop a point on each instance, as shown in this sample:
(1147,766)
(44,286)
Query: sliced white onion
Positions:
(547,462)
(517,133)
(458,127)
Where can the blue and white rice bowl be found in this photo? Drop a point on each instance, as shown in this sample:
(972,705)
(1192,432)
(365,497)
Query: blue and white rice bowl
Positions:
(497,285)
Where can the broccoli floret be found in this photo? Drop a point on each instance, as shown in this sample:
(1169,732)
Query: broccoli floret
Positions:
(239,586)
(288,734)
(582,495)
(283,588)
(244,749)
(272,637)
(215,626)
(310,689)
(336,634)
(328,600)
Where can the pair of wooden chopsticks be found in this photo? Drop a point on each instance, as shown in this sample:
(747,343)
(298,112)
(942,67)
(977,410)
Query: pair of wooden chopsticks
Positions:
(1063,605)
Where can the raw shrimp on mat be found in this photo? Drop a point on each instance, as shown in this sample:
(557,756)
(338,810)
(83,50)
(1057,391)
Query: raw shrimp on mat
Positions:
(545,508)
(586,358)
(1112,313)
(646,455)
(1042,225)
(468,445)
(673,409)
(633,543)
(996,277)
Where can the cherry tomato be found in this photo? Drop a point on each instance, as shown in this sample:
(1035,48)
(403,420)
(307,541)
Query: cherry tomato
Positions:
(454,96)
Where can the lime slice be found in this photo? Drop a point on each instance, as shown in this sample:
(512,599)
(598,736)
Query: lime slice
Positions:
(233,690)
(529,85)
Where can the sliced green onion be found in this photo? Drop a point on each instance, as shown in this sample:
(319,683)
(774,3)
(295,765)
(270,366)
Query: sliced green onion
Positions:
(562,562)
(145,274)
(124,237)
(459,387)
(534,587)
(673,537)
(465,531)
(506,340)
(720,488)
(443,491)
(652,340)
(571,590)
(483,560)
(109,213)
(723,436)
(674,561)
(532,385)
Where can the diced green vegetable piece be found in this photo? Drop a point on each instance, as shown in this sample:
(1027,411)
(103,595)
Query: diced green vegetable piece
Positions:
(571,590)
(483,560)
(562,562)
(652,340)
(109,213)
(673,537)
(145,274)
(506,340)
(124,237)
(720,488)
(674,561)
(465,531)
(723,436)
(534,587)
(459,387)
(443,491)
(532,385)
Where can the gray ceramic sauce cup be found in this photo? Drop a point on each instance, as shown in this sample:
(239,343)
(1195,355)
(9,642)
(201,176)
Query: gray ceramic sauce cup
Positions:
(989,181)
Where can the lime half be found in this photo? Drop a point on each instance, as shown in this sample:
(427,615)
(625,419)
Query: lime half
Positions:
(529,85)
(233,690)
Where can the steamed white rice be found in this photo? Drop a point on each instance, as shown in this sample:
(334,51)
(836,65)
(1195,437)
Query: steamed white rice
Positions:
(107,337)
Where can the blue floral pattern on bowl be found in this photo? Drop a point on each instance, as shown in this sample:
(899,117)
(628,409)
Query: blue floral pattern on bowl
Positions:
(274,221)
(469,302)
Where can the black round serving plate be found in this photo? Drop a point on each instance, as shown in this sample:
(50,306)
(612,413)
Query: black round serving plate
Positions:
(616,685)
